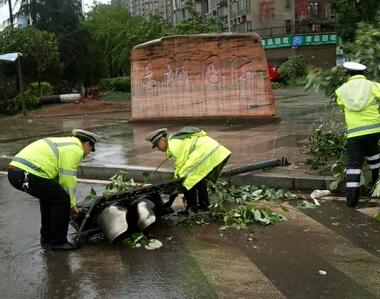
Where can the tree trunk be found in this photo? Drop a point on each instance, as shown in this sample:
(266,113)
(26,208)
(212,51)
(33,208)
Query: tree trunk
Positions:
(10,12)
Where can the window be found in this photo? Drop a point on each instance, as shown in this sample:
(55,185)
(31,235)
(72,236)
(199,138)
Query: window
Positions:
(249,26)
(288,26)
(314,8)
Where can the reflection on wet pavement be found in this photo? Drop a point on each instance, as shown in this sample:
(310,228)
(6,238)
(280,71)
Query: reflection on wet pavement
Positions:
(124,142)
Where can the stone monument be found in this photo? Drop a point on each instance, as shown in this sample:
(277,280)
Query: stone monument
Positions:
(201,76)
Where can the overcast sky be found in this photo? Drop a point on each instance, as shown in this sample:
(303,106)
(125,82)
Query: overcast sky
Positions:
(4,12)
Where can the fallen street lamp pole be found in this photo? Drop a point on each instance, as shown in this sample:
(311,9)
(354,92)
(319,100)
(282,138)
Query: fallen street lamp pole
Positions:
(108,212)
(255,166)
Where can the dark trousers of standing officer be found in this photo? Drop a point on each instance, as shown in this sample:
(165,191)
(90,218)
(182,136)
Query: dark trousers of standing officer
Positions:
(54,204)
(197,197)
(359,149)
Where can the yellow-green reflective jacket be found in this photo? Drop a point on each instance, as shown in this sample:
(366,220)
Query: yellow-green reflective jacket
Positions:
(195,157)
(54,158)
(360,99)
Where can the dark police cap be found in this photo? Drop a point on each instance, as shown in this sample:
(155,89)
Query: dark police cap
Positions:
(87,136)
(154,136)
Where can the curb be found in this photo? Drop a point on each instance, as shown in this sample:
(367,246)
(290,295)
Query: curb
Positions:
(279,177)
(42,135)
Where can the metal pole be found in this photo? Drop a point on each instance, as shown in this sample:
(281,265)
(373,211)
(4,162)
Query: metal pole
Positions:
(228,16)
(255,166)
(21,85)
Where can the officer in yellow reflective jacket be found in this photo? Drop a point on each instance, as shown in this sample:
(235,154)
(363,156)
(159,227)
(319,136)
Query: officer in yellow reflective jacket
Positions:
(359,98)
(46,169)
(198,158)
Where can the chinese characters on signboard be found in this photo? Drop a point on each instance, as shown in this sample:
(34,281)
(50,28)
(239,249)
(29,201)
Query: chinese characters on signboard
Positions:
(300,40)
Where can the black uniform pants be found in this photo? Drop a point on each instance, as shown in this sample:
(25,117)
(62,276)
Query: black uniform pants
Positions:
(197,197)
(359,149)
(54,204)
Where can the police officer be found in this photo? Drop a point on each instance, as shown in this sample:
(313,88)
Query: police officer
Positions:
(359,97)
(198,158)
(46,169)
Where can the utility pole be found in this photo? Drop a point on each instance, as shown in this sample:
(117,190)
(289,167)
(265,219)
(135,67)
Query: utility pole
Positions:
(21,85)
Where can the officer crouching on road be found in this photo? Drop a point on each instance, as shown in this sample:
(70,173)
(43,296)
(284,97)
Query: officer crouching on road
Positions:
(198,158)
(359,98)
(47,169)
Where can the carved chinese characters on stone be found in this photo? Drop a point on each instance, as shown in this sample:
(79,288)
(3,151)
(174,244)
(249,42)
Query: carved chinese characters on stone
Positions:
(216,75)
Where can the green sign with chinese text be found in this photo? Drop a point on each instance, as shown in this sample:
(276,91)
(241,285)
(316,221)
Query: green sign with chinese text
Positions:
(289,41)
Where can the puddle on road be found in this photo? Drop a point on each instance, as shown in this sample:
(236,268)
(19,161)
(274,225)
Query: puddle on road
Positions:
(97,270)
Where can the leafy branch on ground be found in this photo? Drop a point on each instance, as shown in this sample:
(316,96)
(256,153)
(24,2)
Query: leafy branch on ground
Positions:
(138,240)
(120,182)
(377,217)
(326,140)
(235,206)
(326,81)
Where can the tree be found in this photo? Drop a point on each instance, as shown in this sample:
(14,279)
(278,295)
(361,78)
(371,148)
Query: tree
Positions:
(39,49)
(10,10)
(351,12)
(365,48)
(116,32)
(80,60)
(196,24)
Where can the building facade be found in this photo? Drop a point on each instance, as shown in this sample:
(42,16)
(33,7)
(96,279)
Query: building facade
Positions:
(179,12)
(144,8)
(273,17)
(266,17)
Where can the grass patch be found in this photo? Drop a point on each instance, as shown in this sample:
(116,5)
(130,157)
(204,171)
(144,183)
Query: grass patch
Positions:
(118,96)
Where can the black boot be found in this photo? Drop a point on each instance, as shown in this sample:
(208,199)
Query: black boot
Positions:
(353,195)
(67,246)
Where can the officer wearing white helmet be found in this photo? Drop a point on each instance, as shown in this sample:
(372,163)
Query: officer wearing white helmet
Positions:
(198,158)
(46,169)
(359,97)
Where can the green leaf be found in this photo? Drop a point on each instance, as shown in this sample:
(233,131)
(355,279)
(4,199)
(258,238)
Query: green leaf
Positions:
(306,205)
(333,185)
(153,244)
(377,216)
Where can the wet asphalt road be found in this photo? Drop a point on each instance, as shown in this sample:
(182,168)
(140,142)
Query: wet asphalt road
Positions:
(280,261)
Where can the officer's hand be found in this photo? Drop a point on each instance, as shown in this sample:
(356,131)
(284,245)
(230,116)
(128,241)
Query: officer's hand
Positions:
(74,213)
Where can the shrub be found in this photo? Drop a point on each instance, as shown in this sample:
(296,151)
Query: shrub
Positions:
(40,89)
(8,107)
(117,84)
(293,69)
(33,92)
(276,85)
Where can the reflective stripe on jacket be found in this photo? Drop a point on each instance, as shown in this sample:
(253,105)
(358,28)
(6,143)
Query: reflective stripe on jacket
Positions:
(360,99)
(54,158)
(195,157)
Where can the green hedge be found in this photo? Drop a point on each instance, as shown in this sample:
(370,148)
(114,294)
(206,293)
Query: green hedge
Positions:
(117,84)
